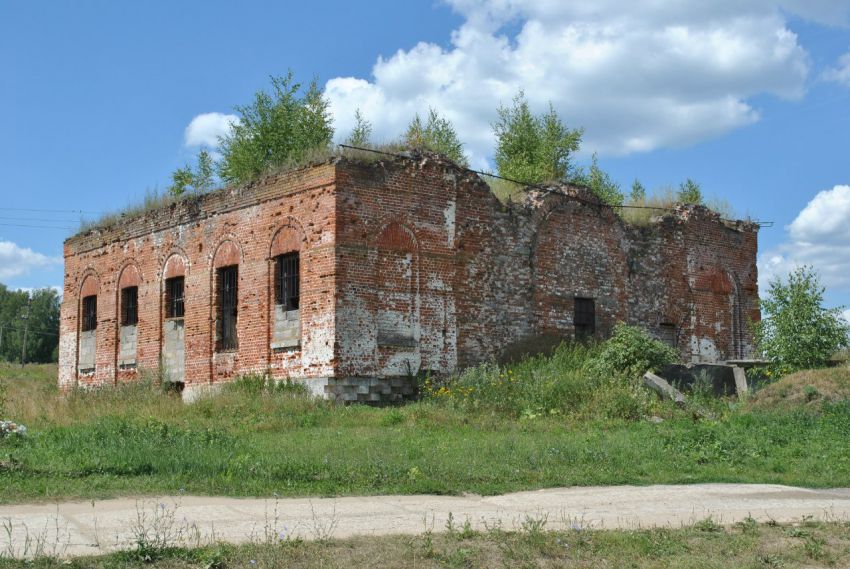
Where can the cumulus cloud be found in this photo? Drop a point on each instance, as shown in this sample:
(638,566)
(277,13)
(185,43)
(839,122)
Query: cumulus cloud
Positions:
(818,236)
(846,314)
(16,261)
(841,72)
(205,129)
(637,74)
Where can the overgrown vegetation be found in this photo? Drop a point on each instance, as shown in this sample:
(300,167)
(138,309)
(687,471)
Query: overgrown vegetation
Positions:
(275,129)
(577,381)
(200,179)
(545,421)
(533,149)
(436,134)
(796,331)
(706,544)
(291,126)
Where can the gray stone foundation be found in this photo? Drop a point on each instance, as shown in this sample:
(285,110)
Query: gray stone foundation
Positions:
(371,390)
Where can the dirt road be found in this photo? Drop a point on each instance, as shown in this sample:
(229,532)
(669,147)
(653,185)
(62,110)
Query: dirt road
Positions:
(83,528)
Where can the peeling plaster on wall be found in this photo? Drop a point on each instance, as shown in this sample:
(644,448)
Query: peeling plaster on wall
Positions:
(450,212)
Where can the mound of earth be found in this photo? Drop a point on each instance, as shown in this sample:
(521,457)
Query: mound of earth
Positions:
(810,388)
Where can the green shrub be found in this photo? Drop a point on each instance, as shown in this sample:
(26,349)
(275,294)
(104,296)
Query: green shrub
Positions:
(630,353)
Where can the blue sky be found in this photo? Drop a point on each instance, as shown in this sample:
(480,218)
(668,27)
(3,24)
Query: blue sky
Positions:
(749,98)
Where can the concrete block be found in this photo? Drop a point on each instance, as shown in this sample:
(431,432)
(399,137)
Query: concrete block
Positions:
(663,389)
(721,377)
(740,380)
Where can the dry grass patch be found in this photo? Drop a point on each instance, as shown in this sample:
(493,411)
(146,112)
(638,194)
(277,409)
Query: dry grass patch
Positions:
(808,389)
(705,545)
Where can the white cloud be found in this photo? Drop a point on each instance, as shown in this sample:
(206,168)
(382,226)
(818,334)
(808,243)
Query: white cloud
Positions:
(841,72)
(638,75)
(846,314)
(16,261)
(818,236)
(205,129)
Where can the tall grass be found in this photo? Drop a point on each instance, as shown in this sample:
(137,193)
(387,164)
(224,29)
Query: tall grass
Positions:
(543,421)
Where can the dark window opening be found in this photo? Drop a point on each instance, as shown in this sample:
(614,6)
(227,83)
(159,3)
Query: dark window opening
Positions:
(130,306)
(287,285)
(174,297)
(89,313)
(584,318)
(227,301)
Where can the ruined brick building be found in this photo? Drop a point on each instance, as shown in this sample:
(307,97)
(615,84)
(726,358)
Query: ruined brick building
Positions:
(353,276)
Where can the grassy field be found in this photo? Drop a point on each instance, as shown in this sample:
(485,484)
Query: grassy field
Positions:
(705,545)
(538,423)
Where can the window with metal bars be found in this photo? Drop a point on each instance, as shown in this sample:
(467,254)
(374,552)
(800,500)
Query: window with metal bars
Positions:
(174,297)
(287,283)
(130,306)
(584,318)
(89,313)
(227,278)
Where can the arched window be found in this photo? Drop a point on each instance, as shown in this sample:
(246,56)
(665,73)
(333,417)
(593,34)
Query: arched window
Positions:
(285,255)
(88,318)
(128,299)
(226,265)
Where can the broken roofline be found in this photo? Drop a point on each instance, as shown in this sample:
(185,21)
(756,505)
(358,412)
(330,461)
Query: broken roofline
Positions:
(193,207)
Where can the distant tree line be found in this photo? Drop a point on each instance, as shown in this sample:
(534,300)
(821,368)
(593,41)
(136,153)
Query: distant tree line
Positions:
(291,122)
(43,325)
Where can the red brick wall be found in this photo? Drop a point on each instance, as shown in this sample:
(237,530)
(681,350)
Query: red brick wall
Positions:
(495,278)
(192,238)
(408,265)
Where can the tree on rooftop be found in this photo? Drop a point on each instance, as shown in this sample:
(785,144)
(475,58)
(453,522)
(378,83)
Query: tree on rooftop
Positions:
(601,184)
(277,128)
(361,134)
(690,193)
(533,149)
(436,134)
(638,194)
(200,179)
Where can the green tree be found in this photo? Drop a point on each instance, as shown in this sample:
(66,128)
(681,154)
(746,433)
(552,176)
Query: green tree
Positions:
(275,129)
(601,184)
(437,135)
(181,181)
(361,133)
(796,331)
(638,194)
(689,193)
(43,336)
(201,179)
(533,149)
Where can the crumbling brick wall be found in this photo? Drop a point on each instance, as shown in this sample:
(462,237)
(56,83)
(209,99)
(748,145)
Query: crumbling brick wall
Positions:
(407,265)
(192,238)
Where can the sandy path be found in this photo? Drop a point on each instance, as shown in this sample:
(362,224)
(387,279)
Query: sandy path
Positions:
(83,528)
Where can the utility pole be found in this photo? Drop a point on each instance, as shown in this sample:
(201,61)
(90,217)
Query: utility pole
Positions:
(26,318)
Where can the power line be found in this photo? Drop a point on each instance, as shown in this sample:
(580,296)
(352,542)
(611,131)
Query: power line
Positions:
(10,326)
(40,219)
(36,226)
(50,210)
